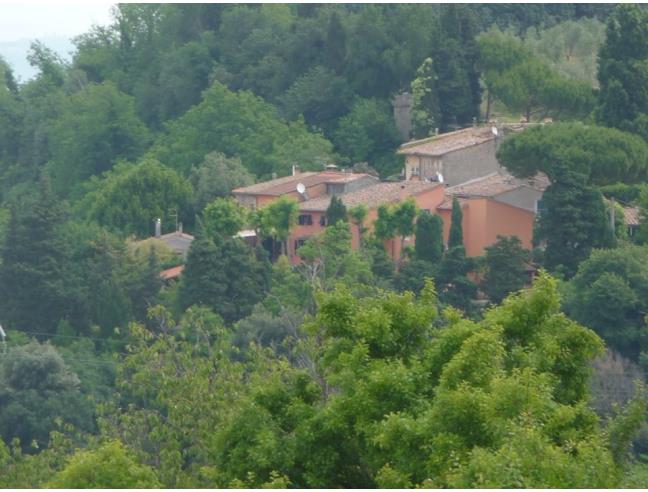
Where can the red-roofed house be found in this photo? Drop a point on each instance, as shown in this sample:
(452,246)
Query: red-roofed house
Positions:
(497,204)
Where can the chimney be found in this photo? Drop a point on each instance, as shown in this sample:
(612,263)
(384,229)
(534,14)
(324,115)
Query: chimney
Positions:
(180,227)
(158,227)
(436,132)
(295,170)
(274,175)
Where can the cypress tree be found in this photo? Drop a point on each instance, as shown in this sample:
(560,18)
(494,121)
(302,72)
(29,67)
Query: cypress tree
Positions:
(428,245)
(336,211)
(31,283)
(456,231)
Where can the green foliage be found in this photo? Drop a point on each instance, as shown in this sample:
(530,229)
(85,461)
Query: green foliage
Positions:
(459,90)
(425,100)
(367,133)
(574,223)
(224,217)
(498,52)
(601,155)
(385,225)
(455,288)
(505,268)
(38,389)
(357,215)
(109,467)
(97,126)
(429,238)
(225,275)
(623,100)
(130,197)
(608,294)
(216,177)
(32,297)
(571,48)
(455,237)
(336,212)
(329,259)
(319,95)
(239,124)
(277,219)
(642,233)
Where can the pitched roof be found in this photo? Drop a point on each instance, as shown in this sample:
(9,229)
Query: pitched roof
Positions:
(631,216)
(371,196)
(177,241)
(281,186)
(447,203)
(445,143)
(170,273)
(495,184)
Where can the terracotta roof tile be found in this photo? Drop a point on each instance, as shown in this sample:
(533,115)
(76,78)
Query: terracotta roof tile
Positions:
(287,184)
(170,273)
(496,184)
(445,143)
(371,196)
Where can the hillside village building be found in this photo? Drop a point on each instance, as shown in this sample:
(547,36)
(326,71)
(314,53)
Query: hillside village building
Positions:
(493,202)
(495,205)
(457,156)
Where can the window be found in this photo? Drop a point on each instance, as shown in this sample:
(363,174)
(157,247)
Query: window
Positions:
(305,219)
(323,220)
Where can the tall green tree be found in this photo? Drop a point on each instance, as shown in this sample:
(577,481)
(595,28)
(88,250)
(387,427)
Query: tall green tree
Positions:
(37,388)
(505,268)
(336,211)
(426,115)
(429,237)
(277,219)
(623,98)
(216,176)
(455,237)
(358,215)
(224,217)
(131,197)
(97,126)
(367,133)
(608,295)
(32,297)
(574,223)
(225,275)
(240,124)
(459,89)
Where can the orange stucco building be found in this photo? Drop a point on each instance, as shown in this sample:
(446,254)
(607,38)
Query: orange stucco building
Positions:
(492,205)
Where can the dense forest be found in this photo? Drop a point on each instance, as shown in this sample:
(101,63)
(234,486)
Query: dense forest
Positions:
(349,369)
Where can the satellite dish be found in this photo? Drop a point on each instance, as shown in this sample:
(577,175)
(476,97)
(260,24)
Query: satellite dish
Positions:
(494,130)
(440,177)
(301,189)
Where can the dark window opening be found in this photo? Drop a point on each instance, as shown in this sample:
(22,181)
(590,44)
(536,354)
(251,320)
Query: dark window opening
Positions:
(305,219)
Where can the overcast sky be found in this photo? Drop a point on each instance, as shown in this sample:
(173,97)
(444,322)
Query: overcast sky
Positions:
(35,19)
(53,23)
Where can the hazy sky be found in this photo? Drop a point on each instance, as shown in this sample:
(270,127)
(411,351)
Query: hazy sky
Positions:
(37,19)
